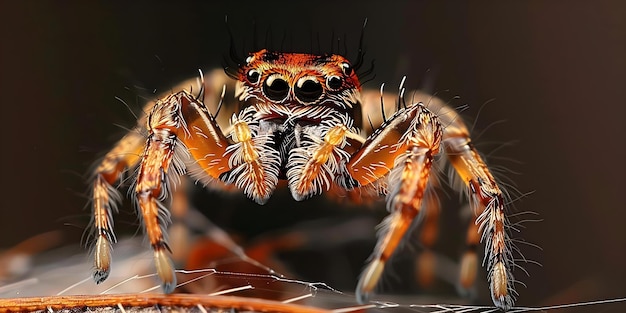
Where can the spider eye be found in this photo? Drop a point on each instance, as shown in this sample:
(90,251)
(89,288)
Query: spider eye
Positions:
(347,69)
(334,82)
(253,76)
(275,87)
(308,89)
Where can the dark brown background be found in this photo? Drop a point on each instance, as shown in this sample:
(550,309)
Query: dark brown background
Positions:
(556,71)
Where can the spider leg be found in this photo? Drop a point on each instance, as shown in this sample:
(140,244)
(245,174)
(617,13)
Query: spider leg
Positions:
(426,262)
(401,150)
(182,212)
(469,260)
(180,129)
(124,155)
(487,203)
(181,134)
(486,197)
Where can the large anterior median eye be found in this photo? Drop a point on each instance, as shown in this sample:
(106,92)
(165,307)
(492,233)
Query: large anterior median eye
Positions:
(275,87)
(308,89)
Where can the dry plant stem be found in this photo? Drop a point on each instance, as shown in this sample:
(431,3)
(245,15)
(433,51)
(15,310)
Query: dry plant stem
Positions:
(135,301)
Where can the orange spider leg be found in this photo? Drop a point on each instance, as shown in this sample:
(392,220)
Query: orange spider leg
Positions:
(176,122)
(403,148)
(487,202)
(469,261)
(426,263)
(179,231)
(123,156)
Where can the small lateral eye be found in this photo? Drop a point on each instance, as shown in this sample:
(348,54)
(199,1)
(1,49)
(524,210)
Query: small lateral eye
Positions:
(253,76)
(334,82)
(347,69)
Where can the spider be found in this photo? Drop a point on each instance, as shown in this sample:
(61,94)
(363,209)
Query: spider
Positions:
(298,119)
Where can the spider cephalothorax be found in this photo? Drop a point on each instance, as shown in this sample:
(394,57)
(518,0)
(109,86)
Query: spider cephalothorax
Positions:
(298,118)
(297,79)
(288,104)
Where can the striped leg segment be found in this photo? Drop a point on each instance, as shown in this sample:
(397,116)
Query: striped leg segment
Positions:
(426,262)
(173,124)
(487,202)
(151,188)
(469,260)
(123,156)
(416,134)
(398,156)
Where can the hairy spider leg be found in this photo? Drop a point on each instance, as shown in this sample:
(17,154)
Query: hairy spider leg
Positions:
(487,203)
(379,155)
(396,159)
(124,155)
(179,231)
(469,261)
(402,148)
(426,262)
(174,123)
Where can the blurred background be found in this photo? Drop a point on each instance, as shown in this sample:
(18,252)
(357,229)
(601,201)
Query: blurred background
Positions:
(549,77)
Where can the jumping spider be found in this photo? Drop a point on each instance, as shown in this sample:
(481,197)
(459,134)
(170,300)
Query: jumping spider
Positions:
(299,118)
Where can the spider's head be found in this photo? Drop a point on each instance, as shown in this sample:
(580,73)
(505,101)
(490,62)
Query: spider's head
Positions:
(297,79)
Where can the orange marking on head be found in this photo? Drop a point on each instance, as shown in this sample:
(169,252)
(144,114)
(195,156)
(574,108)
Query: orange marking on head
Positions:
(297,78)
